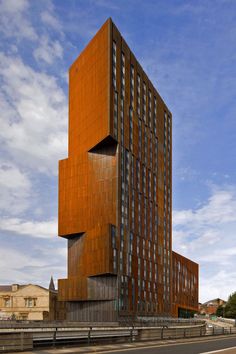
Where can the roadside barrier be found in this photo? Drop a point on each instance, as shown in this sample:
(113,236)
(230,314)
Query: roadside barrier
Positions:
(23,338)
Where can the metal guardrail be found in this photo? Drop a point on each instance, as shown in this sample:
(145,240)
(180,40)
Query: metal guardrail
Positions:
(216,331)
(28,338)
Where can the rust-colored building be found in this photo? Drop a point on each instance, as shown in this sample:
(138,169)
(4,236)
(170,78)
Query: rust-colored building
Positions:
(184,286)
(115,191)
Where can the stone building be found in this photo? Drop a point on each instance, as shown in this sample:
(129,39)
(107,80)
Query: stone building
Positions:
(27,302)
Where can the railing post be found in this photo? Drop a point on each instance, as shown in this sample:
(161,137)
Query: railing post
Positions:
(54,337)
(89,335)
(223,330)
(230,330)
(213,330)
(162,333)
(131,333)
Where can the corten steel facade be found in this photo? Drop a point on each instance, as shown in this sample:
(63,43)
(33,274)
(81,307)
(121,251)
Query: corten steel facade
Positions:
(115,187)
(185,286)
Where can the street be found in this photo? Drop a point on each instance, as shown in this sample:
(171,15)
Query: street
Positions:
(190,346)
(194,347)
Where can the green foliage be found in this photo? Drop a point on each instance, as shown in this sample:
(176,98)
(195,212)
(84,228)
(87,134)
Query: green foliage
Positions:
(220,311)
(230,308)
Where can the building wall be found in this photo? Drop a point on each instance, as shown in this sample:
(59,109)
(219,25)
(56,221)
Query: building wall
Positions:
(185,285)
(144,129)
(115,188)
(210,307)
(20,300)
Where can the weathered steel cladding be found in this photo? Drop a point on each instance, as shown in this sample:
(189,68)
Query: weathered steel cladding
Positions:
(185,284)
(90,187)
(158,198)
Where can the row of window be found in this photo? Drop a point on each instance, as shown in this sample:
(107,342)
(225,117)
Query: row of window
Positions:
(29,302)
(150,119)
(167,210)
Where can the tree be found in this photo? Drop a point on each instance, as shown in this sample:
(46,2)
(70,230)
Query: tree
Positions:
(220,311)
(230,308)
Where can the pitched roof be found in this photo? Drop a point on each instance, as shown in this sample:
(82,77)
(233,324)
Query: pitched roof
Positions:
(5,287)
(217,300)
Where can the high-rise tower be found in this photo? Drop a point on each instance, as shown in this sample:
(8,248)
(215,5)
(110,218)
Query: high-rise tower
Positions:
(115,187)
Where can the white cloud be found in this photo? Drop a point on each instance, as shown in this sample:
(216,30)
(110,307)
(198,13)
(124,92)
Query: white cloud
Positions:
(38,229)
(48,50)
(14,21)
(33,115)
(207,235)
(220,208)
(218,285)
(15,189)
(50,20)
(18,266)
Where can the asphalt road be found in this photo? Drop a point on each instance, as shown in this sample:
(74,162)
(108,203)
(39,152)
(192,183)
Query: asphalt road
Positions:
(186,348)
(194,346)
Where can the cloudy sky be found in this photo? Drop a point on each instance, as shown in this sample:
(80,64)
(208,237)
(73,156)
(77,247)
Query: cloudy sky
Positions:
(188,49)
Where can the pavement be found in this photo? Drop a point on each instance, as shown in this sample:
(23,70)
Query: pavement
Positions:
(220,344)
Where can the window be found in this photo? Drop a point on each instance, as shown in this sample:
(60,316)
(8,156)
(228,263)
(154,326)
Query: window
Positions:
(30,302)
(150,108)
(140,139)
(7,302)
(114,64)
(114,260)
(131,129)
(150,145)
(145,269)
(138,246)
(143,248)
(132,86)
(144,101)
(150,220)
(138,174)
(138,94)
(145,146)
(115,114)
(144,179)
(149,184)
(145,218)
(113,236)
(122,121)
(156,154)
(154,188)
(131,238)
(122,75)
(155,116)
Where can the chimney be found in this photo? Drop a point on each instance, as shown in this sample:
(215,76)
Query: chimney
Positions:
(15,287)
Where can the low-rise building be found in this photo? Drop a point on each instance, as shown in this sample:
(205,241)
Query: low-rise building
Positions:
(210,307)
(184,286)
(28,302)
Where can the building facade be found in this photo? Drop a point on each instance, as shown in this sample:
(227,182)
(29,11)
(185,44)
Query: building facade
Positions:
(24,302)
(210,307)
(115,187)
(184,286)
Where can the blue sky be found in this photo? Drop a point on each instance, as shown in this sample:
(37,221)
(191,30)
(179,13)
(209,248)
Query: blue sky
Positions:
(188,49)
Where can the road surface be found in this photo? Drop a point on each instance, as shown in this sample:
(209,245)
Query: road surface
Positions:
(194,346)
